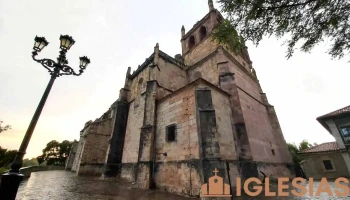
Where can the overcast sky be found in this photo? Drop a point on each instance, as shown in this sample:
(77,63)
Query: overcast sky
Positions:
(116,34)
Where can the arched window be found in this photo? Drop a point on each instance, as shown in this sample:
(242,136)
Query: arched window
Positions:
(197,75)
(140,86)
(203,32)
(191,42)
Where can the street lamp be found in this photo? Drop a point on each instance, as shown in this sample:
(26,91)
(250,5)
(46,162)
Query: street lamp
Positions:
(11,180)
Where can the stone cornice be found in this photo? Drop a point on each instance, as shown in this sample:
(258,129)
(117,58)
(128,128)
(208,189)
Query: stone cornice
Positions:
(149,61)
(195,65)
(193,83)
(257,100)
(238,64)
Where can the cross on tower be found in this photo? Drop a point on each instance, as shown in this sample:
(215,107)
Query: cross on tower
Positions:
(215,171)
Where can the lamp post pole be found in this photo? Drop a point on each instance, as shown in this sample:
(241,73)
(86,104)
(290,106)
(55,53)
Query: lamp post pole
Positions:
(11,180)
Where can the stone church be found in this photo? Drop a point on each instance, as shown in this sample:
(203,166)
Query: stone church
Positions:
(179,118)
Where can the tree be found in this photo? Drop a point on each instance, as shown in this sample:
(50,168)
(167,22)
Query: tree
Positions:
(294,150)
(307,21)
(6,157)
(30,162)
(304,145)
(55,153)
(4,128)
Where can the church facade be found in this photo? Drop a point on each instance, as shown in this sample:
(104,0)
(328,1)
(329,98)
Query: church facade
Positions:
(177,119)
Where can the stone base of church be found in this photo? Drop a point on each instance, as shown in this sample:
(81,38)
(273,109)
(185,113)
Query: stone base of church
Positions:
(91,169)
(187,176)
(276,170)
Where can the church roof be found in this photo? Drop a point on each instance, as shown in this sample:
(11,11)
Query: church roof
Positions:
(325,147)
(149,61)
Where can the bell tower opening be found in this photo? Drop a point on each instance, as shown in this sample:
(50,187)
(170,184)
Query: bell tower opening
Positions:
(203,32)
(191,42)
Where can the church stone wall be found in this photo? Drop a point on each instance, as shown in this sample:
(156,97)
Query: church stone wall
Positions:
(202,50)
(71,157)
(275,170)
(95,147)
(178,171)
(162,92)
(245,81)
(170,76)
(224,125)
(238,58)
(77,158)
(132,138)
(260,133)
(207,70)
(138,84)
(178,109)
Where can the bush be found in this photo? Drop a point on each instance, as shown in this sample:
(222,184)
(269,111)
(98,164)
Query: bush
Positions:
(3,170)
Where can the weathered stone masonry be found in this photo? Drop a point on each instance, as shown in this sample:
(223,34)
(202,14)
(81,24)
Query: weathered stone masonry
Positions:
(176,119)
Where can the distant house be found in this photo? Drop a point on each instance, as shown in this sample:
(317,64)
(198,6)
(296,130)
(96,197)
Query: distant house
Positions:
(331,159)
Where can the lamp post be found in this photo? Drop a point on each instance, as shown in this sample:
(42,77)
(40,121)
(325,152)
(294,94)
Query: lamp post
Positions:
(11,180)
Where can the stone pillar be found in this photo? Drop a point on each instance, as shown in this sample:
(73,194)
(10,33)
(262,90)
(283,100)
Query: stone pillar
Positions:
(208,136)
(145,166)
(183,44)
(336,134)
(115,153)
(71,157)
(278,134)
(211,5)
(227,82)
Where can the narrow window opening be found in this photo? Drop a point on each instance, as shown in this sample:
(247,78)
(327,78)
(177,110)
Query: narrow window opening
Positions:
(191,42)
(328,165)
(197,75)
(273,151)
(203,32)
(171,133)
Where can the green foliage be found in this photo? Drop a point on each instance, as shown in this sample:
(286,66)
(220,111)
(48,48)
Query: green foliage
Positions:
(6,157)
(307,21)
(304,145)
(3,170)
(30,162)
(55,153)
(4,127)
(294,150)
(225,34)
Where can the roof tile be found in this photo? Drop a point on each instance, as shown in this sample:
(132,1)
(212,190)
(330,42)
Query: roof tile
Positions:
(328,146)
(336,113)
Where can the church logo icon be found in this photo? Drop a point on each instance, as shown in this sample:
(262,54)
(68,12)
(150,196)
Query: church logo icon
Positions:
(215,187)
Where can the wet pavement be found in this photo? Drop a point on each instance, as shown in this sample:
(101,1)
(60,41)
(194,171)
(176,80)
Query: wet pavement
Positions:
(63,185)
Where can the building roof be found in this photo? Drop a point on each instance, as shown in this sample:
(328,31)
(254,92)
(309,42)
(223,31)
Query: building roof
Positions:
(335,114)
(345,110)
(328,146)
(149,61)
